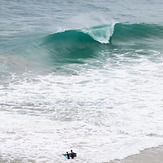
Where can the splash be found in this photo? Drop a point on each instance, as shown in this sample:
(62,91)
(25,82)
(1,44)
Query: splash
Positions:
(101,33)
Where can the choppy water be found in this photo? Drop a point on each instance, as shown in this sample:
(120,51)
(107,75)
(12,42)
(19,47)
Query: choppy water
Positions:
(80,75)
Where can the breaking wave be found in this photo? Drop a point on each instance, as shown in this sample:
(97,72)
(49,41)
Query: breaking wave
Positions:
(71,45)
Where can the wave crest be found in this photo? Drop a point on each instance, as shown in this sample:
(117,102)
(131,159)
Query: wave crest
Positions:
(72,45)
(101,33)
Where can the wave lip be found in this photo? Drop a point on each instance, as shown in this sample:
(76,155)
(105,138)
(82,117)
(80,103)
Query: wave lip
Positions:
(100,33)
(104,33)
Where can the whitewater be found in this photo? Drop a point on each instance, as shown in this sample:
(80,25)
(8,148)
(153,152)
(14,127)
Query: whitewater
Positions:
(86,76)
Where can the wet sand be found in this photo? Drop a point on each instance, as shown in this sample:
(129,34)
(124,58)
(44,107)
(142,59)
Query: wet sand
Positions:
(152,155)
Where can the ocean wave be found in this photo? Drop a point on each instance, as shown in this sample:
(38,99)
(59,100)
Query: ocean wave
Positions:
(73,45)
(142,31)
(104,33)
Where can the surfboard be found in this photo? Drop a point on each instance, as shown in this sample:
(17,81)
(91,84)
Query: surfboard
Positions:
(65,155)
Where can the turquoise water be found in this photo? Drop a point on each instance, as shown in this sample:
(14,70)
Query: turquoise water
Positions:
(80,75)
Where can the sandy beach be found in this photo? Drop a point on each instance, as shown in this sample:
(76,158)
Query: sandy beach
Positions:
(152,155)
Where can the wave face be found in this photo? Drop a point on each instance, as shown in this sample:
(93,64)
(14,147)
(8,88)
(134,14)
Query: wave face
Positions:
(72,46)
(131,32)
(69,46)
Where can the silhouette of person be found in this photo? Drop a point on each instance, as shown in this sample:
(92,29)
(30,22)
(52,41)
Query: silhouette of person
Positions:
(68,155)
(72,154)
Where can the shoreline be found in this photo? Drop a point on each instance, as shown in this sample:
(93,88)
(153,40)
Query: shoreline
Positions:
(150,155)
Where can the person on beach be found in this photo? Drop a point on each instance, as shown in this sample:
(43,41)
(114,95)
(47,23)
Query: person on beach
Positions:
(72,154)
(68,155)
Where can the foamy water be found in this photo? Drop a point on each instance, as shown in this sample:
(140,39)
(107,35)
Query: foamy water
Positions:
(103,117)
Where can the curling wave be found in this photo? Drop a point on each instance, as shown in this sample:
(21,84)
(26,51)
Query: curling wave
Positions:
(72,45)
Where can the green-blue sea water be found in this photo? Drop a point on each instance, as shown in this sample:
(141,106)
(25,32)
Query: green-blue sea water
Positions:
(80,75)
